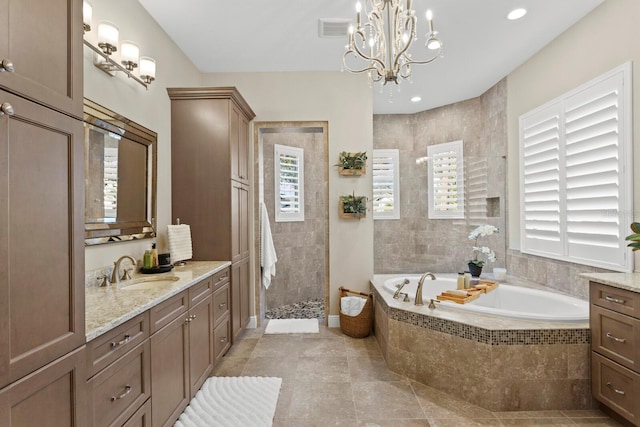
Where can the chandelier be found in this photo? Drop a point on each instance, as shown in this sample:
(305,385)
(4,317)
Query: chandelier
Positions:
(383,41)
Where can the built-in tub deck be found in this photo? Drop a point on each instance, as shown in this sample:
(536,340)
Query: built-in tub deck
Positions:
(502,364)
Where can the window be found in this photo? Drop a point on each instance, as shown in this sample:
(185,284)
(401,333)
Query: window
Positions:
(289,183)
(386,184)
(446,180)
(576,175)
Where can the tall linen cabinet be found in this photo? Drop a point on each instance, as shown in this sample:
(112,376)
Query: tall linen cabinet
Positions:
(210,181)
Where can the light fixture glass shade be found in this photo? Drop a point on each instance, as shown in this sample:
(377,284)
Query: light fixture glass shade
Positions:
(108,37)
(147,69)
(129,54)
(87,15)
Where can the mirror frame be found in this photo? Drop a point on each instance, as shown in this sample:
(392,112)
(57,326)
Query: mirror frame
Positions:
(97,233)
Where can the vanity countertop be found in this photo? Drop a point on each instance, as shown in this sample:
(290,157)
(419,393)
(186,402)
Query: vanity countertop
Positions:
(628,281)
(108,307)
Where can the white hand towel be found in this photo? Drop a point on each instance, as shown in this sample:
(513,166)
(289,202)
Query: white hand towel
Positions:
(179,242)
(352,306)
(268,257)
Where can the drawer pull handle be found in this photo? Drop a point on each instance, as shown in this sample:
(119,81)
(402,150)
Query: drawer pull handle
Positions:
(188,319)
(126,339)
(611,337)
(616,300)
(222,304)
(222,278)
(223,339)
(127,390)
(7,109)
(7,65)
(621,392)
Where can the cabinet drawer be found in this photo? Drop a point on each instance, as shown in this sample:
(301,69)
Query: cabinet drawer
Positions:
(616,386)
(200,291)
(163,313)
(616,336)
(115,343)
(221,338)
(142,417)
(119,390)
(620,300)
(221,303)
(220,278)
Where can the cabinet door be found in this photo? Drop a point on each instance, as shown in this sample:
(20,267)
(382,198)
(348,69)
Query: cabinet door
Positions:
(41,237)
(200,343)
(43,40)
(54,396)
(239,296)
(170,372)
(239,145)
(239,221)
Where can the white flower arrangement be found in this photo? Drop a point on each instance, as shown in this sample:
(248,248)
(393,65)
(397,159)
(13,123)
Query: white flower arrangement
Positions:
(482,231)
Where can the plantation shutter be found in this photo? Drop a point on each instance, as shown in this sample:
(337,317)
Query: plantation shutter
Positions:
(576,175)
(386,184)
(446,178)
(289,183)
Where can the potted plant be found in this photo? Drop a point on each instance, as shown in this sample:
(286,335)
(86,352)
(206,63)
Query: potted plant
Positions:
(352,164)
(475,264)
(352,206)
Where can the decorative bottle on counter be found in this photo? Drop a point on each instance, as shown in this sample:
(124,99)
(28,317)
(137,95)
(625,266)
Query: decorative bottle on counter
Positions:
(460,280)
(147,259)
(154,256)
(467,280)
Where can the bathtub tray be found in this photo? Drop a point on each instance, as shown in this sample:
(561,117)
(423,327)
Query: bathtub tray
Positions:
(473,293)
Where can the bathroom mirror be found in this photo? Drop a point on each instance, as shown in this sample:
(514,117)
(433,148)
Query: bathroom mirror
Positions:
(120,177)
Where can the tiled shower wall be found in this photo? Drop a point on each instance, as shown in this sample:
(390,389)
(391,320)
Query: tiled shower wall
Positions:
(300,246)
(416,244)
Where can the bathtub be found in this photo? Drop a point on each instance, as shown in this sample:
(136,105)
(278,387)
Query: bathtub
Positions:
(506,301)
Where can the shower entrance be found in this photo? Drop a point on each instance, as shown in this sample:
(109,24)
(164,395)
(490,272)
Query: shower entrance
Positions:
(292,174)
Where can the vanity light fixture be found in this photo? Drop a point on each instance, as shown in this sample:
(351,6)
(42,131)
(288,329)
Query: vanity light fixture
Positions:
(87,13)
(129,55)
(130,58)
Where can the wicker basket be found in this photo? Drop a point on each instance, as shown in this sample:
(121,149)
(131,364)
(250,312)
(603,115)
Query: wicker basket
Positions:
(357,326)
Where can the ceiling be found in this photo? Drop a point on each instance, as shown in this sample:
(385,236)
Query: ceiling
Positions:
(480,45)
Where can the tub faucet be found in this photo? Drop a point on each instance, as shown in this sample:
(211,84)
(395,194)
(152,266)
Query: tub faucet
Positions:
(115,278)
(420,283)
(399,288)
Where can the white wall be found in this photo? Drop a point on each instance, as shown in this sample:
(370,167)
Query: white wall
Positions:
(345,101)
(604,39)
(149,108)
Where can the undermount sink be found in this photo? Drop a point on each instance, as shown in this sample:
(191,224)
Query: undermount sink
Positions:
(147,283)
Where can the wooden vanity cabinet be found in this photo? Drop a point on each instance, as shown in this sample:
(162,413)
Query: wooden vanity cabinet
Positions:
(210,181)
(43,41)
(182,351)
(41,237)
(53,396)
(221,315)
(615,344)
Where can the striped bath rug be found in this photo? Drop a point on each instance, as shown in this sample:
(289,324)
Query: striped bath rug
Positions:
(233,402)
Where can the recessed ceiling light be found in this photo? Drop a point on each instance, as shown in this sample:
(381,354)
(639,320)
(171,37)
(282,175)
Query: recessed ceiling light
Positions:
(516,14)
(416,99)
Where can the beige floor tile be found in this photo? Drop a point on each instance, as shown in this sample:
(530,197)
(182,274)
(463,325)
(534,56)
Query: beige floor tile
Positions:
(386,400)
(465,422)
(439,405)
(230,367)
(371,369)
(319,347)
(394,423)
(538,422)
(271,367)
(530,414)
(322,401)
(321,369)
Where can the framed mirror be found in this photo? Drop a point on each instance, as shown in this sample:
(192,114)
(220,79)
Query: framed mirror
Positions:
(120,177)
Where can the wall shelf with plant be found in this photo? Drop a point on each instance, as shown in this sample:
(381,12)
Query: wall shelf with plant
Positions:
(352,164)
(352,206)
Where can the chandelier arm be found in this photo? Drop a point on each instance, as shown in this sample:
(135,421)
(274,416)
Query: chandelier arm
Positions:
(353,48)
(410,24)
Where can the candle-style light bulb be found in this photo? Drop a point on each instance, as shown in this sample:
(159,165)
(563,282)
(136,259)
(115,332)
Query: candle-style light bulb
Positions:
(358,10)
(430,20)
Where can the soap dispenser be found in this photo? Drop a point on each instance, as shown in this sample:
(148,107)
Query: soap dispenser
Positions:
(154,254)
(147,259)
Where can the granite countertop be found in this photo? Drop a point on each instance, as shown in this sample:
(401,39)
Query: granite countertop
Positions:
(480,320)
(628,281)
(108,307)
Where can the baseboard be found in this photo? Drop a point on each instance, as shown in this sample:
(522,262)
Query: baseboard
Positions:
(253,322)
(333,321)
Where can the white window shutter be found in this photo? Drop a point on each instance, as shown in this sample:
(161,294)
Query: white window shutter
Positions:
(386,184)
(289,183)
(446,180)
(576,182)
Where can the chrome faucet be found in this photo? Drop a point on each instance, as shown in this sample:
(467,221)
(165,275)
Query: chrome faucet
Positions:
(420,283)
(115,278)
(399,288)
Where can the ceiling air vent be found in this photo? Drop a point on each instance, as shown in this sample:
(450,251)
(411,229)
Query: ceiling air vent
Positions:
(333,27)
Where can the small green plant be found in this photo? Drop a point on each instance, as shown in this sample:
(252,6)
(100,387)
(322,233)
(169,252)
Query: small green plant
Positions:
(356,205)
(635,237)
(352,160)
